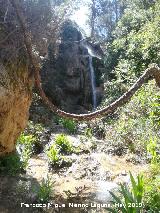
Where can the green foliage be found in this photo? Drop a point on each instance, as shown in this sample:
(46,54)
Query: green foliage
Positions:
(113,90)
(11,164)
(137,188)
(14,163)
(138,122)
(152,189)
(25,147)
(135,44)
(151,148)
(53,154)
(45,190)
(88,133)
(38,132)
(130,199)
(69,124)
(63,144)
(152,181)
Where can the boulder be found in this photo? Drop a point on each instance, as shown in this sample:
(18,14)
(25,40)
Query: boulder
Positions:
(66,76)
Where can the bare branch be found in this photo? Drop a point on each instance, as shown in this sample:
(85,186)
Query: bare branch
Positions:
(6,13)
(11,33)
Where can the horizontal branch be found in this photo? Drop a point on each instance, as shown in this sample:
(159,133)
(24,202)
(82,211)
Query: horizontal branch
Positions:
(153,72)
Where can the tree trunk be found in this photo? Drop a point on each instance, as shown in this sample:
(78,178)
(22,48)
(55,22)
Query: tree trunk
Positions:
(15,100)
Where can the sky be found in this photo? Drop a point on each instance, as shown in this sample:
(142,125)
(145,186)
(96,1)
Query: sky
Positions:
(80,17)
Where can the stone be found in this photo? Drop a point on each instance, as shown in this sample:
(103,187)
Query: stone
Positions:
(15,100)
(66,76)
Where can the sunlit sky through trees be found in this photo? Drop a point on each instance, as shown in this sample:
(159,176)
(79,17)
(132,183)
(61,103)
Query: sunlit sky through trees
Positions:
(81,16)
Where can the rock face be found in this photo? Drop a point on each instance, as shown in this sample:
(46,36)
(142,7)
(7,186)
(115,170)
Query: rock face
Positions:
(66,76)
(15,99)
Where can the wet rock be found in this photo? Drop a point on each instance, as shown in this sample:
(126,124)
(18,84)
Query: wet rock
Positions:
(124,173)
(66,76)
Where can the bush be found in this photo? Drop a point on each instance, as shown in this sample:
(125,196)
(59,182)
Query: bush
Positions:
(152,189)
(55,151)
(63,144)
(69,124)
(55,158)
(40,133)
(11,164)
(138,121)
(53,154)
(45,190)
(130,200)
(25,146)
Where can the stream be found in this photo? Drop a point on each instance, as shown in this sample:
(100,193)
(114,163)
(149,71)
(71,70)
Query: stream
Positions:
(88,180)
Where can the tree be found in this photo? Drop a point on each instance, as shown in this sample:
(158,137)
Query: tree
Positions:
(135,42)
(104,14)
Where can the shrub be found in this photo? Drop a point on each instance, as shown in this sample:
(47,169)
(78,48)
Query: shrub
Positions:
(11,164)
(130,200)
(40,133)
(138,121)
(25,147)
(53,154)
(63,144)
(151,149)
(55,158)
(45,190)
(152,189)
(69,124)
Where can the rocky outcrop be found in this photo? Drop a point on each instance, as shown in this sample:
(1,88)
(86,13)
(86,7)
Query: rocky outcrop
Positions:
(66,76)
(15,99)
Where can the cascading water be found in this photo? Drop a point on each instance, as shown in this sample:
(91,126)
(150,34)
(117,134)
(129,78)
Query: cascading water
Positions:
(93,84)
(92,73)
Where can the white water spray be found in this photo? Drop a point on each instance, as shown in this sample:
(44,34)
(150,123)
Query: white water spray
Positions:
(93,83)
(92,74)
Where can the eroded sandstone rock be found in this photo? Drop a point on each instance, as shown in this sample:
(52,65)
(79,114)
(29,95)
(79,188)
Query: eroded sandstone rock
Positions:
(15,100)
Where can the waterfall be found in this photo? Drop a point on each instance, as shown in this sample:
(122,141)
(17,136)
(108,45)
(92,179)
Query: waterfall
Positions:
(92,74)
(93,84)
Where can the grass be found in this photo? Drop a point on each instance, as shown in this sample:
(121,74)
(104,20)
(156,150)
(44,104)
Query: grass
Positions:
(44,190)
